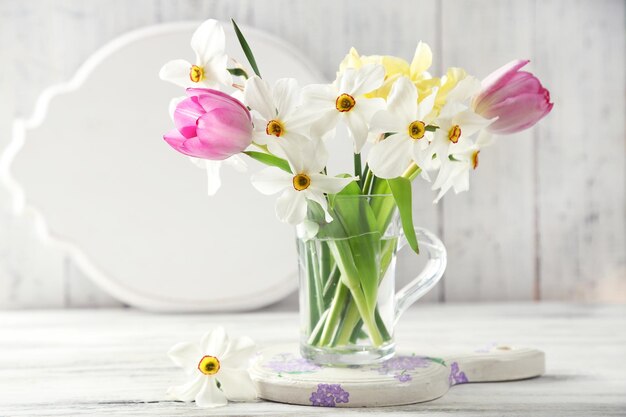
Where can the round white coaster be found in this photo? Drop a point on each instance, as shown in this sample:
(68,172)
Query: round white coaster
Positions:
(282,375)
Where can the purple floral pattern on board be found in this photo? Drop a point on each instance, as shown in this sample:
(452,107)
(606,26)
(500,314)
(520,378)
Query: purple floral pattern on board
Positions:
(329,395)
(289,363)
(456,375)
(399,366)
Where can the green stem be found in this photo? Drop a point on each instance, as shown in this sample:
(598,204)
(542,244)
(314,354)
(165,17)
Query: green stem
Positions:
(364,177)
(412,171)
(357,167)
(368,320)
(331,285)
(317,330)
(350,321)
(368,180)
(332,321)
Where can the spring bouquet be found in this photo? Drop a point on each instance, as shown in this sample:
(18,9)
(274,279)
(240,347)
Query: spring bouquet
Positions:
(403,124)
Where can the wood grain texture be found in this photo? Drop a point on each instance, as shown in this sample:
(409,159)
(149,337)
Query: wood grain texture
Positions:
(113,362)
(580,171)
(545,213)
(489,230)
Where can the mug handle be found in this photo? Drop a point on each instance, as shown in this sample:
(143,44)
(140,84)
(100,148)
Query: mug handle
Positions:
(430,275)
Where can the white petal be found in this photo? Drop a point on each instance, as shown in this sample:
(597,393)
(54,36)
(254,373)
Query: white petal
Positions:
(326,124)
(426,106)
(285,95)
(403,100)
(186,355)
(422,59)
(345,81)
(291,206)
(307,230)
(210,395)
(214,181)
(385,121)
(447,173)
(367,107)
(239,353)
(464,89)
(216,72)
(257,96)
(177,72)
(319,98)
(271,180)
(215,342)
(329,185)
(208,40)
(461,182)
(298,121)
(390,157)
(237,385)
(357,125)
(470,122)
(319,198)
(188,391)
(317,156)
(485,139)
(304,155)
(368,78)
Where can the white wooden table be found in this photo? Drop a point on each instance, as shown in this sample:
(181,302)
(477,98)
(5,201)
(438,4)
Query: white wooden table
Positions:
(113,362)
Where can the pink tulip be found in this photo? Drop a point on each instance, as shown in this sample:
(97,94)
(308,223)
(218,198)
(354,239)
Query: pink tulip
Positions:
(515,97)
(210,125)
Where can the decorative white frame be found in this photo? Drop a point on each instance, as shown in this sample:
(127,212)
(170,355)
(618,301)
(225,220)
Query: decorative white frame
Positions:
(21,206)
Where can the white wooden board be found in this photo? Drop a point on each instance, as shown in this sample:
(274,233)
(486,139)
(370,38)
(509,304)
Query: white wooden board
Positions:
(91,166)
(114,362)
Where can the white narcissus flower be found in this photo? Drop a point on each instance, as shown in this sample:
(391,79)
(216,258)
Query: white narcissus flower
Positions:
(455,173)
(275,116)
(345,100)
(457,122)
(307,159)
(215,359)
(406,121)
(210,67)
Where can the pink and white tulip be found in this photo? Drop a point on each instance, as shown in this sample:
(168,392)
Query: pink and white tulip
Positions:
(210,125)
(515,97)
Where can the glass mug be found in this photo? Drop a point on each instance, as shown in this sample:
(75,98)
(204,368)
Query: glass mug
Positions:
(348,303)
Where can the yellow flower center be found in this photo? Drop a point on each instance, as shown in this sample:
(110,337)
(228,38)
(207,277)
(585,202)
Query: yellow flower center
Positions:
(196,73)
(417,129)
(275,128)
(454,134)
(301,182)
(209,365)
(345,102)
(475,159)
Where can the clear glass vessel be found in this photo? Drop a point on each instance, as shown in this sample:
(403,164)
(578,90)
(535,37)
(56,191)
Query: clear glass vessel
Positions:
(348,303)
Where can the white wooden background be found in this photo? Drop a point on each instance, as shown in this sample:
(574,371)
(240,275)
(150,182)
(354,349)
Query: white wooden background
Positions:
(545,216)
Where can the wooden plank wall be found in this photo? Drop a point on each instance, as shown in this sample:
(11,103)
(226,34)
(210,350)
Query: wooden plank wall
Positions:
(544,218)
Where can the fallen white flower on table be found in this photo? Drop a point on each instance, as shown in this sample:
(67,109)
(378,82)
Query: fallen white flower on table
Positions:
(216,360)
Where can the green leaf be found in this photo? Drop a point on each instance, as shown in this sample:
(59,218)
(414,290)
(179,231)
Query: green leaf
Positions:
(238,72)
(246,48)
(432,128)
(268,159)
(401,190)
